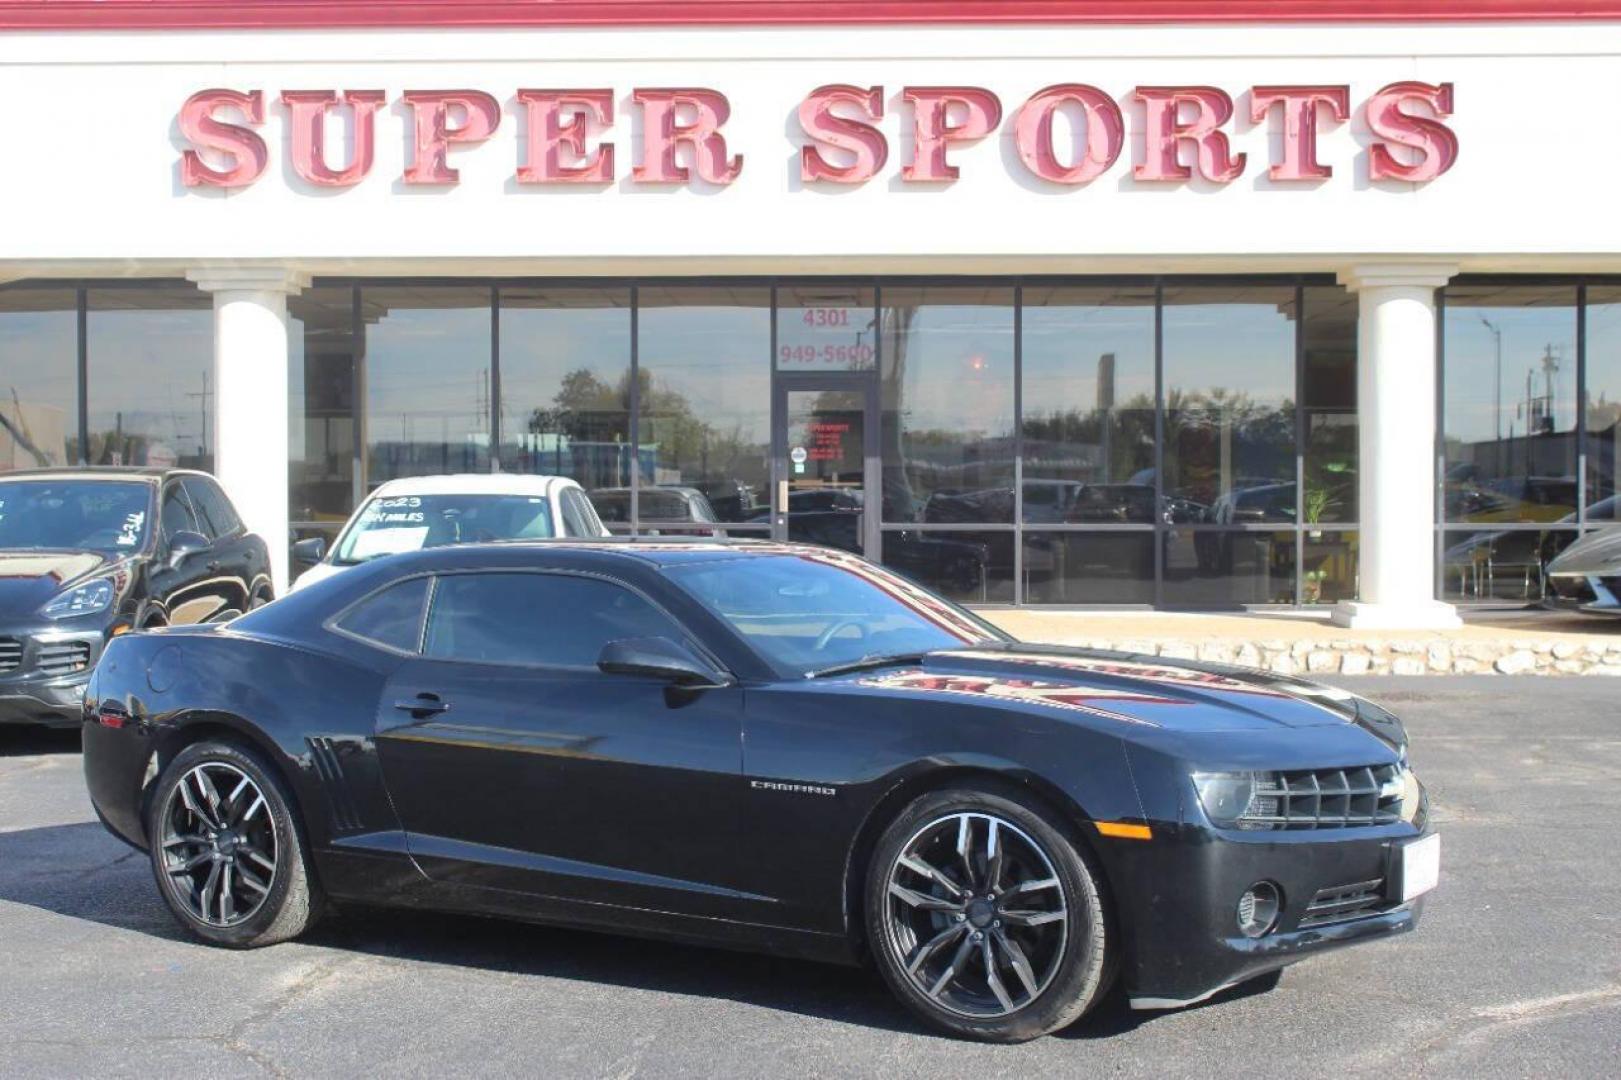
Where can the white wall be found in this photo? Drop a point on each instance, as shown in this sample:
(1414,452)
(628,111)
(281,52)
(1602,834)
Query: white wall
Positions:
(90,182)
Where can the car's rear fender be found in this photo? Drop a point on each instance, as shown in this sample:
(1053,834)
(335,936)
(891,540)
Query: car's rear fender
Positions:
(308,714)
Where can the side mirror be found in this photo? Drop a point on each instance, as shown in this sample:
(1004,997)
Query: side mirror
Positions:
(309,552)
(660,658)
(185,543)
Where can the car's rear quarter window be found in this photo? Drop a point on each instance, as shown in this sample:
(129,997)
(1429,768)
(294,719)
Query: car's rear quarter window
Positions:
(391,618)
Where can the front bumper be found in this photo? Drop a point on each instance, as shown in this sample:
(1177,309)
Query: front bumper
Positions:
(43,672)
(1184,944)
(1588,594)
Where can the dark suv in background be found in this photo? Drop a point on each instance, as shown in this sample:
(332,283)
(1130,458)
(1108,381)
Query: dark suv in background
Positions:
(87,554)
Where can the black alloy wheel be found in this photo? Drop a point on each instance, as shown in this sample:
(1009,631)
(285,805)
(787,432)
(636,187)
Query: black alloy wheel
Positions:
(226,852)
(984,919)
(219,846)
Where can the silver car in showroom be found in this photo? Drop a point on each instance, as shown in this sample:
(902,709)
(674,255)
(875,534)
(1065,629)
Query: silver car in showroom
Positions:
(1586,576)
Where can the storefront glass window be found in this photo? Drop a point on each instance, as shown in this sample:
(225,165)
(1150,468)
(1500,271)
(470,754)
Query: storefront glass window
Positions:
(321,406)
(1229,404)
(427,379)
(705,388)
(1085,567)
(1603,402)
(1088,395)
(826,327)
(947,404)
(968,567)
(1510,405)
(565,384)
(1223,568)
(151,372)
(1328,399)
(39,378)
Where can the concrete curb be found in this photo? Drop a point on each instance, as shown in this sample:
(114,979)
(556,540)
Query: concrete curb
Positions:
(1375,656)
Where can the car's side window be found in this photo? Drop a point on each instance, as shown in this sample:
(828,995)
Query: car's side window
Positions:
(392,618)
(175,514)
(593,523)
(213,508)
(542,619)
(574,524)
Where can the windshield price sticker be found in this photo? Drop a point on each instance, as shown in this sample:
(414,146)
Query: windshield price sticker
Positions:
(130,534)
(382,517)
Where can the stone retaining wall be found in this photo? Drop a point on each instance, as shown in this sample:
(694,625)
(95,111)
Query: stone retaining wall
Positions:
(1374,656)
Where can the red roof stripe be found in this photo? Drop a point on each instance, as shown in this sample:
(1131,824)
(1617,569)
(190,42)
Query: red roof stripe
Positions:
(318,14)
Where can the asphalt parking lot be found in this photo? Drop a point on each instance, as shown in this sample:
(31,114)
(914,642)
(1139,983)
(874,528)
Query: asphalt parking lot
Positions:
(1515,972)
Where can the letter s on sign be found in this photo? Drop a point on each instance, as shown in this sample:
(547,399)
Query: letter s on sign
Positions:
(857,137)
(1435,144)
(245,149)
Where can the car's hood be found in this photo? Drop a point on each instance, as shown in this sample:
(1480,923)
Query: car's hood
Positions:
(28,579)
(1136,691)
(1596,554)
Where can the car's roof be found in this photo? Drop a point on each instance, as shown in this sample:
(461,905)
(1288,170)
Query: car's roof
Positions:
(475,484)
(136,473)
(655,550)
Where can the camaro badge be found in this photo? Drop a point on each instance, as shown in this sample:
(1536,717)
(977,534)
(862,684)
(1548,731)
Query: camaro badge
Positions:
(801,789)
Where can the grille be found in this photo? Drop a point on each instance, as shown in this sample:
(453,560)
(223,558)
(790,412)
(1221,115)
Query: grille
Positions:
(1575,589)
(11,654)
(1343,903)
(63,657)
(1326,798)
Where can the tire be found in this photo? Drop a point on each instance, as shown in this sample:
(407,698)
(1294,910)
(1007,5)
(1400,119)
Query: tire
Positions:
(247,904)
(933,949)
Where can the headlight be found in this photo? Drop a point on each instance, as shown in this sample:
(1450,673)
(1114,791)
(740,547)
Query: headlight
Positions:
(86,599)
(1229,797)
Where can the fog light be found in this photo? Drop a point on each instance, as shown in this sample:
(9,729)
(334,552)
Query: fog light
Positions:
(1258,909)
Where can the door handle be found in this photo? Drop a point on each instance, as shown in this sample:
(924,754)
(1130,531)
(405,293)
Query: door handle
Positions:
(423,706)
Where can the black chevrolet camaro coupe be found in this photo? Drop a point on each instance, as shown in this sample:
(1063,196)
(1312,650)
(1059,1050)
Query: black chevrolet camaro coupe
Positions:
(759,745)
(90,553)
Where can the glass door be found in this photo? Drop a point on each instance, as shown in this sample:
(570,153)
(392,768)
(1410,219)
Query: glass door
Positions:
(826,462)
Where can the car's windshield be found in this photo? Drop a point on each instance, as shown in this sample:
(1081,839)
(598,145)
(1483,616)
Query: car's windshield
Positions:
(808,611)
(388,526)
(75,515)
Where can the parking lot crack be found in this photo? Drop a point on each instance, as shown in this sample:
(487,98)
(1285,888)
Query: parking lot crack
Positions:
(1497,1020)
(311,980)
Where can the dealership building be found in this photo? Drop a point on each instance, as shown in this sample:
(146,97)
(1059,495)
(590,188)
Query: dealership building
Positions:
(1157,303)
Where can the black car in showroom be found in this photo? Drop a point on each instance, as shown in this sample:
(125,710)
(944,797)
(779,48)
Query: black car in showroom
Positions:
(88,554)
(761,745)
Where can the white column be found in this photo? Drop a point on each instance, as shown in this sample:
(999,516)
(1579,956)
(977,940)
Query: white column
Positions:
(251,448)
(1396,434)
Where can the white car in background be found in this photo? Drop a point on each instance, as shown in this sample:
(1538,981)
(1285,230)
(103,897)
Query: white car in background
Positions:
(430,511)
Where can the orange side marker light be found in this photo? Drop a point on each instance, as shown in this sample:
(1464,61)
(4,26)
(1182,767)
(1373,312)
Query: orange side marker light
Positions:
(1122,831)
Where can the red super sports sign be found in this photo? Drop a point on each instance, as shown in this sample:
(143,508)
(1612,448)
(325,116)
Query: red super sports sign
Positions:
(1184,130)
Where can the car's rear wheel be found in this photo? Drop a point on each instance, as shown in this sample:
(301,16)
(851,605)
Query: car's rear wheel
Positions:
(984,918)
(229,858)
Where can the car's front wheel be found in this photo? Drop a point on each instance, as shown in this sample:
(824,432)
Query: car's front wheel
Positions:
(229,858)
(984,918)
